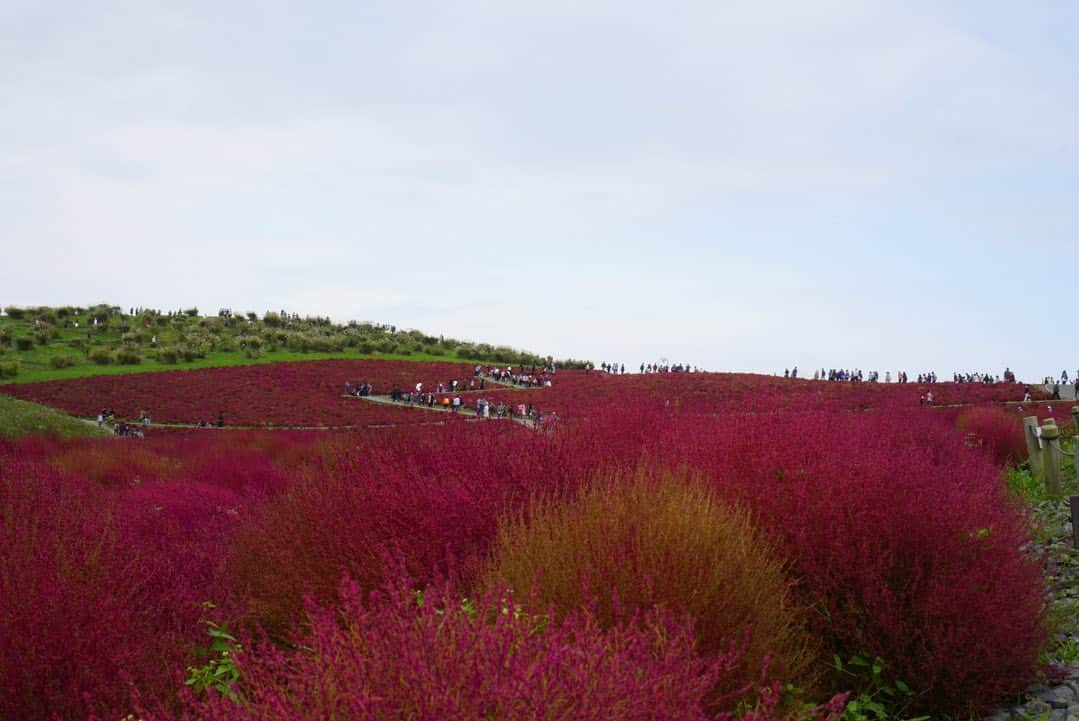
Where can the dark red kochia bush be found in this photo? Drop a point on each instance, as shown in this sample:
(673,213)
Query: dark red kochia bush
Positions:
(100,588)
(435,657)
(998,429)
(902,535)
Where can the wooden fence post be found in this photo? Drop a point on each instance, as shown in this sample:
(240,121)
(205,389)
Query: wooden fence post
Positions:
(1034,452)
(1074,502)
(1075,453)
(1051,457)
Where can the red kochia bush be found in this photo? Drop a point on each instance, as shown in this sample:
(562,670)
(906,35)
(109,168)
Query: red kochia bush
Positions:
(431,495)
(435,657)
(999,430)
(903,536)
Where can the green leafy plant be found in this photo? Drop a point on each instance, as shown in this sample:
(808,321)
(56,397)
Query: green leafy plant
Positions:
(220,671)
(878,698)
(1023,485)
(1068,652)
(1025,715)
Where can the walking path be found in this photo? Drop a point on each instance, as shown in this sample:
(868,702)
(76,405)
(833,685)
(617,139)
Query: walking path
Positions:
(1067,391)
(462,410)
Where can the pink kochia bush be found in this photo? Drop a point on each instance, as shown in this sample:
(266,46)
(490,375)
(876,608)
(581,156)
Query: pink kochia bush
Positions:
(902,536)
(437,656)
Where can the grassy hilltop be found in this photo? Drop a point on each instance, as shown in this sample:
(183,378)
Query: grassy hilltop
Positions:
(49,343)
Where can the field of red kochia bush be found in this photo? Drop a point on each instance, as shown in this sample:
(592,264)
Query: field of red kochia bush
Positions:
(897,534)
(310,394)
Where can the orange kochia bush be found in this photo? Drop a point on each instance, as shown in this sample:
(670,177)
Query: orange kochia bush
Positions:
(626,545)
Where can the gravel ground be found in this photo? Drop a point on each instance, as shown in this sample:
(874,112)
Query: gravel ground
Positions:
(1060,700)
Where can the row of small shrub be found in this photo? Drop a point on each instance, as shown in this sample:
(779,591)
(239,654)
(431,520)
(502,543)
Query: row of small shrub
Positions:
(309,335)
(62,361)
(172,355)
(123,356)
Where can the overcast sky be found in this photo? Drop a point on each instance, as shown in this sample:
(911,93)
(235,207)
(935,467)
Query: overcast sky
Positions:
(736,185)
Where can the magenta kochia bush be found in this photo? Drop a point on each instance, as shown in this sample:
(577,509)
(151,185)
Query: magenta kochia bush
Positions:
(100,588)
(436,656)
(902,535)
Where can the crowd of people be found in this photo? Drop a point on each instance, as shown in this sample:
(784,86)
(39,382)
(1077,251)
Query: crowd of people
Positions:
(220,423)
(107,417)
(844,374)
(482,408)
(361,389)
(856,375)
(667,368)
(620,368)
(534,378)
(1055,384)
(1063,380)
(986,378)
(446,394)
(127,429)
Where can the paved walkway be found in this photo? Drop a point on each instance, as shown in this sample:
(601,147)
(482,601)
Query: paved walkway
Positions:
(1067,392)
(462,410)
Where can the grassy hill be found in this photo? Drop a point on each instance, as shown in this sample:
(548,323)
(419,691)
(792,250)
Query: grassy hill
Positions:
(21,418)
(46,343)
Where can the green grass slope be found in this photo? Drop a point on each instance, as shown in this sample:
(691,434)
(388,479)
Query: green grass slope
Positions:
(21,418)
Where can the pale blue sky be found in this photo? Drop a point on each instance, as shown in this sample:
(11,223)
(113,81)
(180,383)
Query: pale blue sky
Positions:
(738,185)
